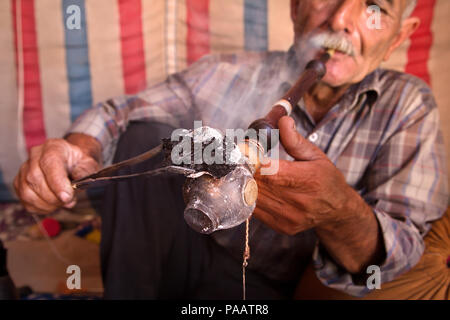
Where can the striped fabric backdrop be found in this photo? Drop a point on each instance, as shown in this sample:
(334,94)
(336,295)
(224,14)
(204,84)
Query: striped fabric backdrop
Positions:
(51,72)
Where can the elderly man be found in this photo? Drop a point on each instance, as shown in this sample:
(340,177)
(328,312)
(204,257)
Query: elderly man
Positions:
(361,178)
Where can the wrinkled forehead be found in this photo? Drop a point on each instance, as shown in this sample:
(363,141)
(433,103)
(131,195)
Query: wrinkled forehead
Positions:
(397,7)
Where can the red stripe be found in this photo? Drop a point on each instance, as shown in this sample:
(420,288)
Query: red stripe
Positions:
(421,41)
(33,117)
(198,29)
(132,44)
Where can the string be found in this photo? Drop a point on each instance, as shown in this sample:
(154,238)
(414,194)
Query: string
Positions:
(50,241)
(56,252)
(246,257)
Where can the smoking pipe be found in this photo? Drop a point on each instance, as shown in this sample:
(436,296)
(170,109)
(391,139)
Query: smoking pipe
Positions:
(314,71)
(214,204)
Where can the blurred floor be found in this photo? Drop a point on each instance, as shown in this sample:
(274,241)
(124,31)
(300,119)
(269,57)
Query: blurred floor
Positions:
(42,265)
(35,264)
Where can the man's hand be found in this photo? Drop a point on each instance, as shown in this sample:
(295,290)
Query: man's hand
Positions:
(311,192)
(43,182)
(305,193)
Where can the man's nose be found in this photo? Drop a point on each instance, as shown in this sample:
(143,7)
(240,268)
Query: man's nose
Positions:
(345,15)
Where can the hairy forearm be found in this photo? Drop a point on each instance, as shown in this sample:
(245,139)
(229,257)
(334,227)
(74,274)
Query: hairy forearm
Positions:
(88,144)
(356,241)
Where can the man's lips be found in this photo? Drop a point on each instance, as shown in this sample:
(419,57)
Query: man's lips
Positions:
(337,54)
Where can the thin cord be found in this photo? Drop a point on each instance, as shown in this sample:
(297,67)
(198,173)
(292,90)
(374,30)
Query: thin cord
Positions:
(50,241)
(246,257)
(56,251)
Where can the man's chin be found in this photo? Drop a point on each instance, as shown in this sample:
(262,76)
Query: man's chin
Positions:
(333,81)
(339,74)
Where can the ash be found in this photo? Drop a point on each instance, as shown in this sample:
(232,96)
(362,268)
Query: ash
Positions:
(226,154)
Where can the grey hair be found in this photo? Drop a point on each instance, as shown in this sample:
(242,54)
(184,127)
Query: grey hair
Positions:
(409,8)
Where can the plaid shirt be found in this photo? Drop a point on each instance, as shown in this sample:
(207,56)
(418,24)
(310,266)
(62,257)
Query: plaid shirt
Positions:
(383,135)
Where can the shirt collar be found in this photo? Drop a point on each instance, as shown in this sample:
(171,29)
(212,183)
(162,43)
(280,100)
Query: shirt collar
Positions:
(370,86)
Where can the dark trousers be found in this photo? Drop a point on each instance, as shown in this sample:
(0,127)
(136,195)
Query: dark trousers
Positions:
(147,249)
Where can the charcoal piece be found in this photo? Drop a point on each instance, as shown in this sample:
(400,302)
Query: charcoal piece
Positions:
(216,170)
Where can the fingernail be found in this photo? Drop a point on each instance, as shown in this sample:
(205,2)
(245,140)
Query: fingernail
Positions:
(65,197)
(70,205)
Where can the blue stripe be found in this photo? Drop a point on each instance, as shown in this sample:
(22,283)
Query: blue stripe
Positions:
(5,195)
(77,60)
(255,21)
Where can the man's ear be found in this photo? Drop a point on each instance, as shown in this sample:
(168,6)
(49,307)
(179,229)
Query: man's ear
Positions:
(294,10)
(409,26)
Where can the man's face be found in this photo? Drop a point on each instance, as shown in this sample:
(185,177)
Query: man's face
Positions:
(348,21)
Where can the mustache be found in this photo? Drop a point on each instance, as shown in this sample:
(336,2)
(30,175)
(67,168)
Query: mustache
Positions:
(334,41)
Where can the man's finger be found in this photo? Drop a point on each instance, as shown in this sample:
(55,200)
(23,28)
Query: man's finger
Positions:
(268,220)
(296,175)
(55,172)
(84,168)
(296,145)
(32,209)
(36,181)
(31,201)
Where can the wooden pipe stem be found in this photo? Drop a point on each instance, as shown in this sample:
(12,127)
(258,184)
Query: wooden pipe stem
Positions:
(314,71)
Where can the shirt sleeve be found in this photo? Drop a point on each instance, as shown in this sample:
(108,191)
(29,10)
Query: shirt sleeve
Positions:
(406,187)
(170,102)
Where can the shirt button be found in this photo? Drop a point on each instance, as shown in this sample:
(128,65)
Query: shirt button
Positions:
(313,137)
